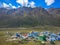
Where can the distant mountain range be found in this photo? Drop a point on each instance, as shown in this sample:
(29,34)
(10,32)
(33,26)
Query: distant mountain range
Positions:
(24,17)
(21,10)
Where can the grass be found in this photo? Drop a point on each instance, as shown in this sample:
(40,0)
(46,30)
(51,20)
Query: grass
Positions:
(14,30)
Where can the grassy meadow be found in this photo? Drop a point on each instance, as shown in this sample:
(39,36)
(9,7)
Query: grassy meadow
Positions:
(3,35)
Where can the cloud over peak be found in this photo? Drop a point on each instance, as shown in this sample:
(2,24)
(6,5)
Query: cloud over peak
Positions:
(20,2)
(8,5)
(32,4)
(26,3)
(5,5)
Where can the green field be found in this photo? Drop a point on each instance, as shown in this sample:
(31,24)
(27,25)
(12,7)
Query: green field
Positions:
(3,35)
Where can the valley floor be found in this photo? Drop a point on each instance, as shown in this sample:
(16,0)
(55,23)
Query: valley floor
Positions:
(14,30)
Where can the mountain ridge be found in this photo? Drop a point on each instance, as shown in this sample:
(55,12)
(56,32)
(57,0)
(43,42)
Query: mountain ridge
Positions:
(24,17)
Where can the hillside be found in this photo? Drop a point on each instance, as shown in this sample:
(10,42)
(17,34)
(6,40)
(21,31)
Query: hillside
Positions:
(29,17)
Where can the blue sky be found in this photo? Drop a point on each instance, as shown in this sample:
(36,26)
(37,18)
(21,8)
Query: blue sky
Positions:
(30,3)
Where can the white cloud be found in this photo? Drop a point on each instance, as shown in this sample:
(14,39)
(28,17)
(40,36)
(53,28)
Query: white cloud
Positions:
(5,5)
(22,2)
(32,4)
(49,2)
(14,7)
(26,3)
(8,5)
(18,6)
